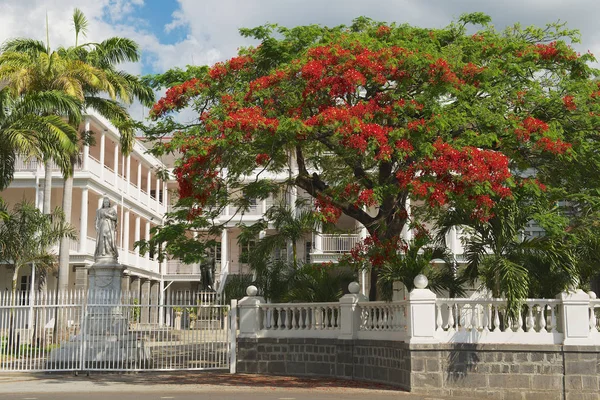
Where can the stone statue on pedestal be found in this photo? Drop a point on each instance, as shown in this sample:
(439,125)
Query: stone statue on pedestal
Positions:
(104,337)
(207,273)
(106,233)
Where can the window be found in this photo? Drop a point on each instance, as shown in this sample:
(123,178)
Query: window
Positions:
(308,247)
(245,250)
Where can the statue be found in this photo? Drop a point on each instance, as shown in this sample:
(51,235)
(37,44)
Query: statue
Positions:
(106,233)
(207,272)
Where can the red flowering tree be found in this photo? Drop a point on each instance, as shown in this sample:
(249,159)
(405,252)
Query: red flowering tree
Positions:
(365,117)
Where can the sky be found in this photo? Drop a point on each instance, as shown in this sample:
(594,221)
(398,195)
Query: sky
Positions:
(176,33)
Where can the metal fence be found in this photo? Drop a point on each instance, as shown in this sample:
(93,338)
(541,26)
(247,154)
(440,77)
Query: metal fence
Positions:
(80,331)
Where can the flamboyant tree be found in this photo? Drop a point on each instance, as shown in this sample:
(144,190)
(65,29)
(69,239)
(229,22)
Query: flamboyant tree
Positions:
(364,118)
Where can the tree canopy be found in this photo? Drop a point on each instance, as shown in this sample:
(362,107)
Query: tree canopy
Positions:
(367,116)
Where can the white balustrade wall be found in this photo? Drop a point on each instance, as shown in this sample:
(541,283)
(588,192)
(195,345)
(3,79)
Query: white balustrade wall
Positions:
(424,318)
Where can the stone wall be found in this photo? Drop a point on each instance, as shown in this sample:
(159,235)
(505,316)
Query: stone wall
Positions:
(501,372)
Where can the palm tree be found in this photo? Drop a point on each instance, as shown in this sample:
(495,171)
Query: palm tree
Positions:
(26,234)
(30,128)
(87,72)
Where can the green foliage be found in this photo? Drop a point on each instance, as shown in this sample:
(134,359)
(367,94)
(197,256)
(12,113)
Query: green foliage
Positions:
(318,283)
(458,119)
(236,285)
(25,236)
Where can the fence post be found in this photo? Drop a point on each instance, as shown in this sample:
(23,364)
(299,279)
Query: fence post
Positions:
(250,315)
(350,312)
(233,336)
(421,312)
(575,317)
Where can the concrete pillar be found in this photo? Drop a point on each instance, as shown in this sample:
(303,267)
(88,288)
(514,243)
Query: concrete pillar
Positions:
(134,287)
(421,313)
(165,193)
(225,268)
(154,301)
(136,234)
(575,317)
(126,285)
(81,277)
(126,234)
(83,221)
(145,300)
(86,148)
(102,152)
(318,242)
(250,313)
(407,231)
(139,179)
(128,173)
(116,164)
(350,312)
(149,186)
(147,237)
(157,194)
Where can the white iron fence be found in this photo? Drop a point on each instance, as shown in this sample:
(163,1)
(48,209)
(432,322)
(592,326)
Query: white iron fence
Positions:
(78,331)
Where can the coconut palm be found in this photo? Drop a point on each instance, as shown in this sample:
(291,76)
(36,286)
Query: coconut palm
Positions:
(32,126)
(87,72)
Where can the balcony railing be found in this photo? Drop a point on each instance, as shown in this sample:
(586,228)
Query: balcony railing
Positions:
(338,243)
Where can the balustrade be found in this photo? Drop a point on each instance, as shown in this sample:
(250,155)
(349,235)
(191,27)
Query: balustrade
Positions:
(323,319)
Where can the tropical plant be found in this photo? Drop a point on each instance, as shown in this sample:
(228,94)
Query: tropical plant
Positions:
(318,283)
(87,72)
(365,117)
(26,234)
(32,127)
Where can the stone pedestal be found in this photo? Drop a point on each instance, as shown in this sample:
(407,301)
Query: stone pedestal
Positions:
(104,338)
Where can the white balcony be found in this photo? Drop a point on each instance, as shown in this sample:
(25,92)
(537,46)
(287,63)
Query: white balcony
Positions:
(338,243)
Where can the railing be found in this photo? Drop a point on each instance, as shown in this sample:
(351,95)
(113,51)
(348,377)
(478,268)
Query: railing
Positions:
(176,267)
(338,243)
(570,319)
(594,316)
(380,319)
(486,321)
(75,331)
(294,320)
(22,165)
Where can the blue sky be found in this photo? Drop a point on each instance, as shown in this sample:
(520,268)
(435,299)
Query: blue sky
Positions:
(174,33)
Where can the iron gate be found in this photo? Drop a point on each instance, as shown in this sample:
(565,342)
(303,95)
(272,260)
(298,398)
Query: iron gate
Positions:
(78,332)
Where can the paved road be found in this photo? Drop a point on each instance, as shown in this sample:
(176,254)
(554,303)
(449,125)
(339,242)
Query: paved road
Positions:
(189,385)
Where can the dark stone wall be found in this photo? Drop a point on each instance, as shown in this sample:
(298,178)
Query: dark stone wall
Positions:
(502,372)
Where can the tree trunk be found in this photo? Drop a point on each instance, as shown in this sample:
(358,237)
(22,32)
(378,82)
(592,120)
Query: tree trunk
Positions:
(295,254)
(63,255)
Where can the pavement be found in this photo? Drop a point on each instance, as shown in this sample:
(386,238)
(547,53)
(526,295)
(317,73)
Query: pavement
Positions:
(184,385)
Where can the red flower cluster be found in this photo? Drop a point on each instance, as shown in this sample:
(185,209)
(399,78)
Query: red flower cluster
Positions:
(530,126)
(262,159)
(383,30)
(250,120)
(553,146)
(326,210)
(569,103)
(176,97)
(366,198)
(546,51)
(440,70)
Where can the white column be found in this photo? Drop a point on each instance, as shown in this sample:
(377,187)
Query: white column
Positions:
(84,218)
(149,186)
(139,180)
(250,316)
(318,242)
(156,193)
(224,256)
(102,145)
(575,317)
(126,234)
(421,312)
(136,235)
(165,193)
(406,231)
(86,148)
(128,172)
(364,276)
(147,237)
(116,165)
(350,312)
